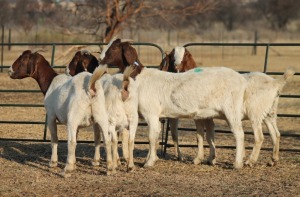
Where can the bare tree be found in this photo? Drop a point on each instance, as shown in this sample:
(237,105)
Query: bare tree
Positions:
(107,18)
(4,12)
(279,12)
(26,14)
(229,13)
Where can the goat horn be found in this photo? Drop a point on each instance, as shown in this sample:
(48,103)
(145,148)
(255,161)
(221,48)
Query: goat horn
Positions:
(127,40)
(96,52)
(39,50)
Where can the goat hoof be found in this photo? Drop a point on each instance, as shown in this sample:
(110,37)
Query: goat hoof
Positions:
(149,164)
(238,165)
(52,164)
(249,163)
(119,162)
(69,168)
(95,163)
(179,158)
(126,160)
(66,174)
(111,172)
(211,162)
(130,168)
(197,161)
(272,163)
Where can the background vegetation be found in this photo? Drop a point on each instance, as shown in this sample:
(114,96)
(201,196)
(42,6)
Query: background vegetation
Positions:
(146,20)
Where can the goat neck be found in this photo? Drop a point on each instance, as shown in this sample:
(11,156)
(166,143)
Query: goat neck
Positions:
(33,65)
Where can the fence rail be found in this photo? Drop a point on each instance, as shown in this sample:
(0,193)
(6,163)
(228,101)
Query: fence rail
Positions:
(165,130)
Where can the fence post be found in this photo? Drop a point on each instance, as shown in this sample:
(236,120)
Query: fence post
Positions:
(254,50)
(9,39)
(45,129)
(2,46)
(166,138)
(266,58)
(53,53)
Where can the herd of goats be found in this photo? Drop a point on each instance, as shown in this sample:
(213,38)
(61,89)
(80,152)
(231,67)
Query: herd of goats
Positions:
(87,95)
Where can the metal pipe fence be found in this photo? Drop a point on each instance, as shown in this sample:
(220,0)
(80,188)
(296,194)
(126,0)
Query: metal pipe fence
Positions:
(53,51)
(165,130)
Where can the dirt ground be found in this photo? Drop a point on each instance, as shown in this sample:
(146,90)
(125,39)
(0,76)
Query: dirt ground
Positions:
(24,171)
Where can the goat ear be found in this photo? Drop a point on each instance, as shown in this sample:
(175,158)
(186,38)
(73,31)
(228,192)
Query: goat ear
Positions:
(129,53)
(32,64)
(79,67)
(92,65)
(187,54)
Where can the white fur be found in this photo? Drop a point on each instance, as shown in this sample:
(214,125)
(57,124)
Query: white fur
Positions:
(260,105)
(122,116)
(68,101)
(178,55)
(67,71)
(214,92)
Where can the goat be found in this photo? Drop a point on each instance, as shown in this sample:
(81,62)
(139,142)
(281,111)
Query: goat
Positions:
(171,63)
(121,115)
(76,102)
(198,94)
(119,53)
(83,60)
(260,103)
(180,59)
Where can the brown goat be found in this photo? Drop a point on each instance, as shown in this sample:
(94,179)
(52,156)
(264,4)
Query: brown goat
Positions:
(29,65)
(82,61)
(185,63)
(64,95)
(120,54)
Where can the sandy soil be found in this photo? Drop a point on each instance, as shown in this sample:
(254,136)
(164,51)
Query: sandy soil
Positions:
(24,172)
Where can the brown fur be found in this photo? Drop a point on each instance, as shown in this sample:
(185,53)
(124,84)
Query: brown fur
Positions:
(187,63)
(36,66)
(83,60)
(121,55)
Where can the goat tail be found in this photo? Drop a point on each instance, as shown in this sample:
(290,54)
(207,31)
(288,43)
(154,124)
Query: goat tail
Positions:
(288,74)
(126,81)
(97,74)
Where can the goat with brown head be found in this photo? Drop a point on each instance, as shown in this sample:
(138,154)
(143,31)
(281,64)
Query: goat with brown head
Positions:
(32,64)
(82,61)
(64,95)
(119,53)
(179,60)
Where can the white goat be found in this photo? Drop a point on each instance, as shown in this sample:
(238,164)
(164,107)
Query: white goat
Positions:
(260,105)
(76,102)
(122,115)
(198,94)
